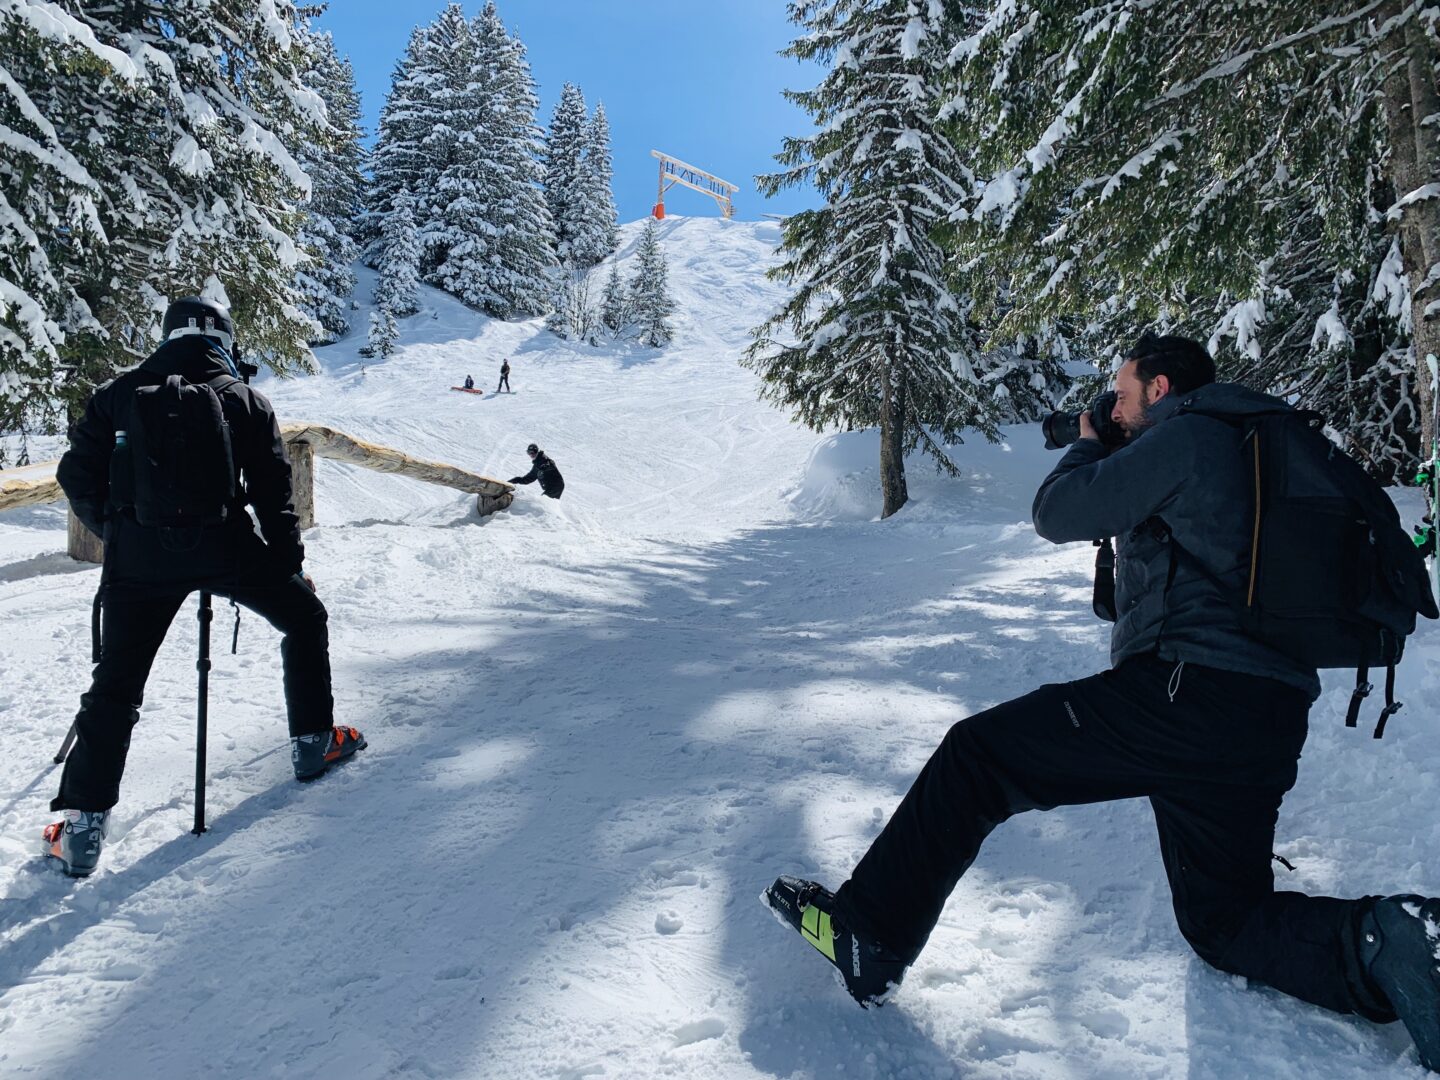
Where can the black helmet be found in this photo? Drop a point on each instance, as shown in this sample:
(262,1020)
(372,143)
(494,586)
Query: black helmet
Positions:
(532,449)
(196,315)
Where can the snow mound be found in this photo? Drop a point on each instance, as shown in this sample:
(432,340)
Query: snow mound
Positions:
(841,480)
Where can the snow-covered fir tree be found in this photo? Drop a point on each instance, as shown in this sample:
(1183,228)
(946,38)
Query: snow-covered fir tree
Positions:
(327,281)
(650,303)
(519,228)
(399,282)
(597,231)
(872,335)
(1260,176)
(458,134)
(399,163)
(574,314)
(44,194)
(615,303)
(566,186)
(578,178)
(450,207)
(180,116)
(383,333)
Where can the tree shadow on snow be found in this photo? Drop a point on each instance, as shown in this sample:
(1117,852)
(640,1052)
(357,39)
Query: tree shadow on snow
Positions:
(577,800)
(539,793)
(55,562)
(91,901)
(1237,1028)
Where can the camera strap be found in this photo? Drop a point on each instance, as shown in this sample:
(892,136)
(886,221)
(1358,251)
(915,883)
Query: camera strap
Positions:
(1103,599)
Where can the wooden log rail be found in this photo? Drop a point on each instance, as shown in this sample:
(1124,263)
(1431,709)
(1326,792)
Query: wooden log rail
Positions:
(309,441)
(34,484)
(29,485)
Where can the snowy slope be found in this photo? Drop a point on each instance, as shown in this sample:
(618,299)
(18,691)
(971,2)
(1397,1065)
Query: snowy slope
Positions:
(600,726)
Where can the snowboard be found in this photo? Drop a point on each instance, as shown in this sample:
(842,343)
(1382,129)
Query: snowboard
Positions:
(464,391)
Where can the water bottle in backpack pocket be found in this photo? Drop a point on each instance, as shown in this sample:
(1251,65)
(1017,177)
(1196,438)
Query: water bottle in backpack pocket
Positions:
(122,471)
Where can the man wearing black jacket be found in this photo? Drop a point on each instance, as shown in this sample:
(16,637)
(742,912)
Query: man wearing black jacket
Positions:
(544,470)
(1204,721)
(149,571)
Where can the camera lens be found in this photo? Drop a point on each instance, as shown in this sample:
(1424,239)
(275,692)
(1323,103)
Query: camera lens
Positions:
(1060,429)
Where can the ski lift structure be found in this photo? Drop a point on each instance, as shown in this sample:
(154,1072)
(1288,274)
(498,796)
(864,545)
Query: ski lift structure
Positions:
(674,171)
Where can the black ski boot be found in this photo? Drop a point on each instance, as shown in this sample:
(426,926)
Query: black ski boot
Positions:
(313,754)
(76,839)
(1400,942)
(867,969)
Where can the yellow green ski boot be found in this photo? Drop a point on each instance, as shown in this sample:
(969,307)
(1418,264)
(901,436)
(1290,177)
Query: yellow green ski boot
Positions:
(867,969)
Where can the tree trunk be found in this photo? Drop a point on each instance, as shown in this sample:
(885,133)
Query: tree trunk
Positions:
(1425,105)
(892,440)
(302,480)
(1409,97)
(83,545)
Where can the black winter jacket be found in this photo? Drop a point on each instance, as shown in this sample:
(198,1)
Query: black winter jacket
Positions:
(1183,476)
(543,469)
(137,554)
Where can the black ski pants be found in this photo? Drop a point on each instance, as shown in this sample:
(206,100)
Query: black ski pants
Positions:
(505,382)
(1214,752)
(133,625)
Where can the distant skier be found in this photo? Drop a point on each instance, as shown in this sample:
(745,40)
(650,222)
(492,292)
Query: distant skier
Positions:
(162,466)
(504,377)
(469,383)
(542,469)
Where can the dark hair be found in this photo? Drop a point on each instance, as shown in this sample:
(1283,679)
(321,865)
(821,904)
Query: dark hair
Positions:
(1184,362)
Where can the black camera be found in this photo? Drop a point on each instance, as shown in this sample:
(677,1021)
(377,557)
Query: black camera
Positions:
(247,371)
(1063,428)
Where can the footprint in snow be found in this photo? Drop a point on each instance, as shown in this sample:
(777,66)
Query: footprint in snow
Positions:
(699,1030)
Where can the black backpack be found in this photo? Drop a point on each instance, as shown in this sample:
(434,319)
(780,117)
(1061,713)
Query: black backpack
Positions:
(1334,580)
(181,466)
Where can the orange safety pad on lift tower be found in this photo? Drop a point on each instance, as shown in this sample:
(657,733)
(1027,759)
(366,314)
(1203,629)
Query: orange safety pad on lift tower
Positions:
(660,210)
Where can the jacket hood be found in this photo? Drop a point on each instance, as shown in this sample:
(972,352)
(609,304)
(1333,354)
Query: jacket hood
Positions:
(195,359)
(1232,399)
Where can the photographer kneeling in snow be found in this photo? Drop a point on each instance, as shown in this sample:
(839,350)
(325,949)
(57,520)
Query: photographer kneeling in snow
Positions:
(1202,718)
(161,466)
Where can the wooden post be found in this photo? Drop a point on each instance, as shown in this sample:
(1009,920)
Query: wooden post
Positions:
(302,480)
(84,546)
(488,504)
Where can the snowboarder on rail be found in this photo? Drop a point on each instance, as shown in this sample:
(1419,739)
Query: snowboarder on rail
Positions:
(544,470)
(504,377)
(1205,721)
(162,466)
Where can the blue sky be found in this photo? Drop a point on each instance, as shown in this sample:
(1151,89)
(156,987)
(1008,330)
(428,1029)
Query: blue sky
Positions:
(699,81)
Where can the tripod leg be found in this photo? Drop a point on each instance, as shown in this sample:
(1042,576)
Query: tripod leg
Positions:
(64,751)
(202,665)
